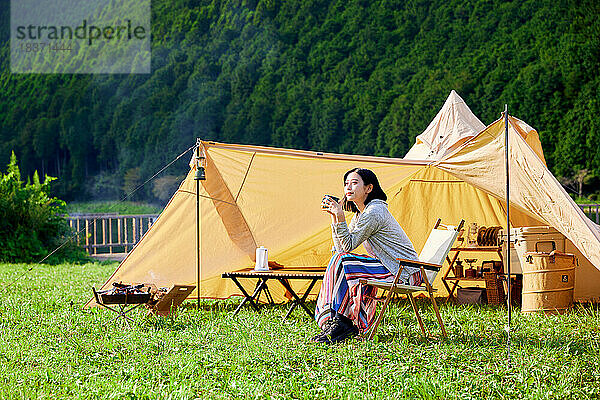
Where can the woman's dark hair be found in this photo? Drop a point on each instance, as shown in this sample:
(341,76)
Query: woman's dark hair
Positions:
(369,178)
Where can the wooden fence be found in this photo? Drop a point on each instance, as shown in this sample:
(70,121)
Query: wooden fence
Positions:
(592,211)
(110,234)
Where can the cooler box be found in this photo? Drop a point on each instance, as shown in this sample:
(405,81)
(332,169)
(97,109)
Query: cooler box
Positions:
(538,239)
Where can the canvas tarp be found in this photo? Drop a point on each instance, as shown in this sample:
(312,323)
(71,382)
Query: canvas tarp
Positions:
(277,195)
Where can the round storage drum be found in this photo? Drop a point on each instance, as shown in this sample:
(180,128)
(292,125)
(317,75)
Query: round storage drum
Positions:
(548,282)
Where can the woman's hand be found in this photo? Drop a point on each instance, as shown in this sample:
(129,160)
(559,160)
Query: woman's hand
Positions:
(334,208)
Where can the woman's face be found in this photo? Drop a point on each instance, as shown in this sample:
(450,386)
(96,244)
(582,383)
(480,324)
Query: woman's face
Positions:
(355,189)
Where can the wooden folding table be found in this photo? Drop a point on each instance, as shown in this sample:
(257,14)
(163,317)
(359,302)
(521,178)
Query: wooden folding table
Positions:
(312,274)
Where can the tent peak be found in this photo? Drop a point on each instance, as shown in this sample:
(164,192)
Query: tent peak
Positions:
(453,125)
(453,98)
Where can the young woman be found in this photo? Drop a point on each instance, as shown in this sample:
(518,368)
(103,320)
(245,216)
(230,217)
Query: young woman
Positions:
(344,307)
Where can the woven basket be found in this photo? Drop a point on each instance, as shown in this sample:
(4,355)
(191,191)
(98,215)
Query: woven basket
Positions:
(494,288)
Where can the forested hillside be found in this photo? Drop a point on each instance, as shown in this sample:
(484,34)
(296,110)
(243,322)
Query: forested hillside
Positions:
(350,76)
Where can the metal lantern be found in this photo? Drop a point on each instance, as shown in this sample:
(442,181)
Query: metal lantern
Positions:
(200,162)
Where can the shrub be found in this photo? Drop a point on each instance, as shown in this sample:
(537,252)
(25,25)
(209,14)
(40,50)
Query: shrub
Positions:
(165,186)
(31,225)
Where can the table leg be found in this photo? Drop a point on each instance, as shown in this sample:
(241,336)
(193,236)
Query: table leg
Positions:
(450,268)
(122,315)
(111,309)
(121,311)
(131,308)
(303,299)
(262,287)
(447,288)
(451,291)
(257,297)
(451,264)
(298,300)
(247,297)
(268,293)
(112,319)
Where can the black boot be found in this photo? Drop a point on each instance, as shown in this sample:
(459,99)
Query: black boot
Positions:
(324,331)
(340,329)
(326,327)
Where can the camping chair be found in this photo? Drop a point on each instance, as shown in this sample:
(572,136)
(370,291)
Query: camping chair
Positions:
(430,262)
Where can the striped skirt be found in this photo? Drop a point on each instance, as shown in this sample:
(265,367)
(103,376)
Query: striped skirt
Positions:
(342,293)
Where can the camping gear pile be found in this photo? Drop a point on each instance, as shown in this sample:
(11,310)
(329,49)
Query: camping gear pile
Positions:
(122,293)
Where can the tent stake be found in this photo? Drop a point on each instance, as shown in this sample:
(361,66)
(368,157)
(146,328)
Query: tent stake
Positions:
(507,225)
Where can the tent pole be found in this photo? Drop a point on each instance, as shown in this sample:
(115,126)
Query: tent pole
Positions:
(197,228)
(199,176)
(507,258)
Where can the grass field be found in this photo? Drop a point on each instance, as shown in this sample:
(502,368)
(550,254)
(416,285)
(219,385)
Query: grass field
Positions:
(51,348)
(121,207)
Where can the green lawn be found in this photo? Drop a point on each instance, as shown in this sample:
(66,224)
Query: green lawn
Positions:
(51,348)
(121,207)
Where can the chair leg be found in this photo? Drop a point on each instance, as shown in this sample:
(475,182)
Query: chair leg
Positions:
(414,305)
(437,314)
(373,329)
(380,316)
(433,302)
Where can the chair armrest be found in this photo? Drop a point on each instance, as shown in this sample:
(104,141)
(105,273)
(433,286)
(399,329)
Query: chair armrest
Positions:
(417,264)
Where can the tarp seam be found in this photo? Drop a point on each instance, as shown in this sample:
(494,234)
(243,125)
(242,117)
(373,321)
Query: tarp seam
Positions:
(245,175)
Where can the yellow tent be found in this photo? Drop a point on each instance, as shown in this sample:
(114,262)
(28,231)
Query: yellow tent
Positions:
(261,196)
